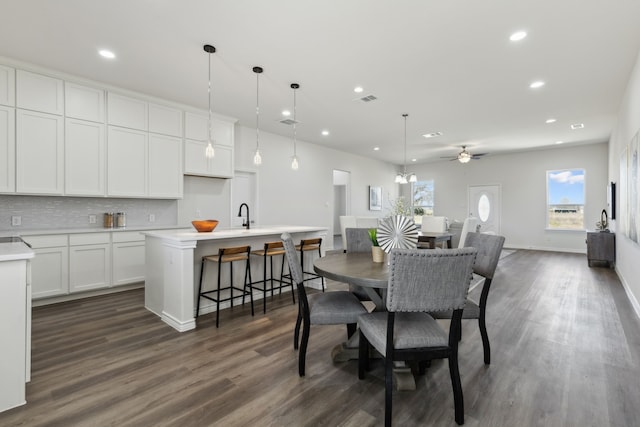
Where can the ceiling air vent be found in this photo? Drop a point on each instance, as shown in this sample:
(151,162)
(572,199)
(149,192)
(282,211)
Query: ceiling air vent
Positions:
(367,98)
(289,122)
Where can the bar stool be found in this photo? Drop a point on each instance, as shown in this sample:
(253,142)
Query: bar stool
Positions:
(306,246)
(226,255)
(270,250)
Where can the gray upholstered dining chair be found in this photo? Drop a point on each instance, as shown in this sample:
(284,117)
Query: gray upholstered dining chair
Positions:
(329,308)
(489,247)
(358,240)
(419,282)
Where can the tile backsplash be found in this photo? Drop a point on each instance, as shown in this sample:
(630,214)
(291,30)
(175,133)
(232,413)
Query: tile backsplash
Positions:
(49,212)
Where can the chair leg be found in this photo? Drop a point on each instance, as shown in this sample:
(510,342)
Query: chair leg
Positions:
(457,388)
(363,356)
(218,294)
(296,333)
(388,390)
(200,288)
(351,329)
(485,338)
(264,283)
(302,355)
(247,284)
(321,277)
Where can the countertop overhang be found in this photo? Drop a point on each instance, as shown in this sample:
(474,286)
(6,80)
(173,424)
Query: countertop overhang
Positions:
(184,235)
(13,251)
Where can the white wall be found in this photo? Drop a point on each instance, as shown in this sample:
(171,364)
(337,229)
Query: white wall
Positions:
(305,196)
(522,177)
(627,252)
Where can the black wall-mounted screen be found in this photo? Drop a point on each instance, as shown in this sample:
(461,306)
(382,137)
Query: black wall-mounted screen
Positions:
(612,199)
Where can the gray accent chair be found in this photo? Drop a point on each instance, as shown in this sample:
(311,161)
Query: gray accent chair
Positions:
(330,308)
(489,247)
(358,240)
(419,282)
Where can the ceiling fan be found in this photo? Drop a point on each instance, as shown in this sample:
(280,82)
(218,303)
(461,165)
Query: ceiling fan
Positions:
(464,156)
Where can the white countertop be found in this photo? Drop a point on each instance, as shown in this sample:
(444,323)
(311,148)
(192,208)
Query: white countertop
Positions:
(50,231)
(13,251)
(230,233)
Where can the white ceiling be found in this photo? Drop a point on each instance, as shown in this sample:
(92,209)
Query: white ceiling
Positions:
(448,64)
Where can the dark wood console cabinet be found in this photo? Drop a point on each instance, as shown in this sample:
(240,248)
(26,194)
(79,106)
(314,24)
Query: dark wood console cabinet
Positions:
(601,246)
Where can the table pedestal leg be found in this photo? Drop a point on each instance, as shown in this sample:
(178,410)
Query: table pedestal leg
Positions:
(349,351)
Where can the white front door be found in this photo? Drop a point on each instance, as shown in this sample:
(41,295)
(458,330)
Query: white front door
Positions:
(485,204)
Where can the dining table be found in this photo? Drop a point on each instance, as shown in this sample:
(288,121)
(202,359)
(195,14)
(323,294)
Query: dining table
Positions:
(358,268)
(433,238)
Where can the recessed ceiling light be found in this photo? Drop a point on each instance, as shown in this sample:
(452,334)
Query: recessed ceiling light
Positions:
(325,132)
(358,89)
(517,36)
(537,84)
(286,113)
(414,160)
(577,126)
(550,121)
(376,148)
(432,134)
(107,54)
(559,142)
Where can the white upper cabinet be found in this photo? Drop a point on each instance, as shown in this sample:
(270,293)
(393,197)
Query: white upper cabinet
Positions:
(84,158)
(165,167)
(39,93)
(39,153)
(7,86)
(7,150)
(196,131)
(127,112)
(126,162)
(82,102)
(196,126)
(165,120)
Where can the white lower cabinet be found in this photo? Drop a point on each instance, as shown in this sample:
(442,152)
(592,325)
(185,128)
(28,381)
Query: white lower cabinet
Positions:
(65,264)
(89,261)
(50,266)
(128,257)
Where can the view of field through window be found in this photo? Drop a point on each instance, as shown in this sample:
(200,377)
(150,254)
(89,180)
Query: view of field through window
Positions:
(565,199)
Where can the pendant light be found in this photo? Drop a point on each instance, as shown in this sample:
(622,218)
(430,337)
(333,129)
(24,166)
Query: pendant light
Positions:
(404,178)
(257,158)
(209,152)
(294,159)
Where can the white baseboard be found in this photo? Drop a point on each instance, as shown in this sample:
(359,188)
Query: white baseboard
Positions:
(630,295)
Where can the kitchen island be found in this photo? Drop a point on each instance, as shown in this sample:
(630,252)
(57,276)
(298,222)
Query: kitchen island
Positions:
(15,322)
(173,261)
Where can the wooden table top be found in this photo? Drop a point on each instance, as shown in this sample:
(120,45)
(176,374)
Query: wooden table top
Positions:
(356,268)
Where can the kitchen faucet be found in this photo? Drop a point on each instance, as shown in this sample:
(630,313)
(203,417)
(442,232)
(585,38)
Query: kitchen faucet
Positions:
(248,222)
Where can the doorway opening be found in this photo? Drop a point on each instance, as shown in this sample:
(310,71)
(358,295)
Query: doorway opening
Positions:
(341,203)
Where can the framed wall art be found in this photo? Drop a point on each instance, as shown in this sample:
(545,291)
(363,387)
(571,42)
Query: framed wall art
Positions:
(375,198)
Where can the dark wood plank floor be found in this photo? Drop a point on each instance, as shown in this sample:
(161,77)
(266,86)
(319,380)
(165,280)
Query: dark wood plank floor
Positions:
(566,352)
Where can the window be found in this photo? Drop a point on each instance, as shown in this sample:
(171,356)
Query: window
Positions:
(565,199)
(422,197)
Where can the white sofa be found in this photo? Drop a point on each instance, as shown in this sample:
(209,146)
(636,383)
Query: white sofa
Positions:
(350,221)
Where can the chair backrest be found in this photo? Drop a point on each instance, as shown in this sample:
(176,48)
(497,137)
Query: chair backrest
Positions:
(469,226)
(434,224)
(358,240)
(429,280)
(292,258)
(346,221)
(489,247)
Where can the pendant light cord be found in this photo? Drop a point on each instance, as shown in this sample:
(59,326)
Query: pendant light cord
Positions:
(257,109)
(209,93)
(294,121)
(405,143)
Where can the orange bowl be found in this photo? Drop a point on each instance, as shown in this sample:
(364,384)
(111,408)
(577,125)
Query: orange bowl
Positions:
(205,225)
